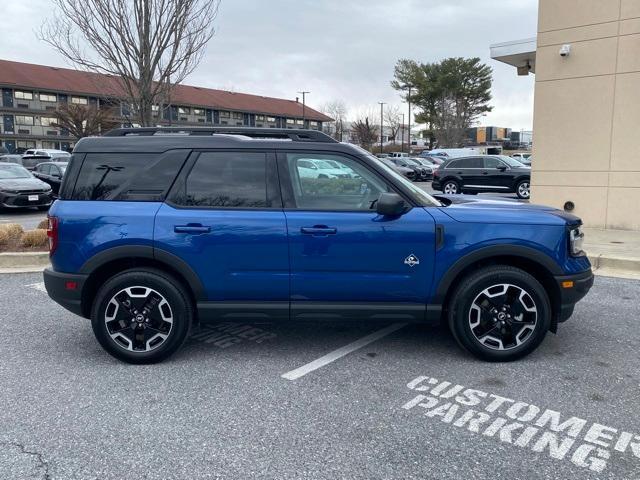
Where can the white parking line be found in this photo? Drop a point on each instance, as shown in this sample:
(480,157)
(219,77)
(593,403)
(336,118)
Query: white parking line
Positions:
(341,352)
(37,286)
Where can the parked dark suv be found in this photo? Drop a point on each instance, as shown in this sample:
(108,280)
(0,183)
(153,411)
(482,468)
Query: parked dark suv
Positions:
(487,173)
(154,231)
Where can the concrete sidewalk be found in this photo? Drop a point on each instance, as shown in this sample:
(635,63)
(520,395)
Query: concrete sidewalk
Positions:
(613,253)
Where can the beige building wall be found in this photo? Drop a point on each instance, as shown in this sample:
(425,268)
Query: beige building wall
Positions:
(587,110)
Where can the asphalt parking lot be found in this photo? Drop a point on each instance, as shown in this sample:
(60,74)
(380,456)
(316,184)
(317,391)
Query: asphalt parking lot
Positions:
(319,401)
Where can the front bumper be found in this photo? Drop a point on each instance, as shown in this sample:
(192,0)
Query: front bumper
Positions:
(59,285)
(21,200)
(572,289)
(435,184)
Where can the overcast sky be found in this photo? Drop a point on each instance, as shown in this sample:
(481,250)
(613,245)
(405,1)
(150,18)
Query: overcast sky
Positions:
(337,49)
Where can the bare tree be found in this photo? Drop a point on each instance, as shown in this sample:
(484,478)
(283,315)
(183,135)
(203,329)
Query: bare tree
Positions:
(337,110)
(147,45)
(366,132)
(392,118)
(84,121)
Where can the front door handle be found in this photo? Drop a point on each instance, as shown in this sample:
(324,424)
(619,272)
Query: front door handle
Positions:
(191,228)
(318,230)
(485,173)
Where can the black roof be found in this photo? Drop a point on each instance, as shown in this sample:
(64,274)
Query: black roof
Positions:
(164,138)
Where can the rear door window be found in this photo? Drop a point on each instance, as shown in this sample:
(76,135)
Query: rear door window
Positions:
(227,180)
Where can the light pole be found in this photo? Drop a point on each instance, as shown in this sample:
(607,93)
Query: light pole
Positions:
(304,95)
(409,122)
(382,104)
(402,133)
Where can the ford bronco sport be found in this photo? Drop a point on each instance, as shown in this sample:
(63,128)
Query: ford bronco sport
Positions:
(158,228)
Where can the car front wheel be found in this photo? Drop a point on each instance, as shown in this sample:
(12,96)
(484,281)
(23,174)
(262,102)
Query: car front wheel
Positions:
(499,313)
(141,316)
(450,187)
(523,189)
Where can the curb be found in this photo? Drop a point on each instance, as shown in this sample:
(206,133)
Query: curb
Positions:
(24,260)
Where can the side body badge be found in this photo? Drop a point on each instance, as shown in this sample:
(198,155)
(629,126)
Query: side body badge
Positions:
(412,260)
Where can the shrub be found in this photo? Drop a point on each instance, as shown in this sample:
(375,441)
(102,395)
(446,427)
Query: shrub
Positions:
(4,236)
(13,230)
(43,225)
(34,238)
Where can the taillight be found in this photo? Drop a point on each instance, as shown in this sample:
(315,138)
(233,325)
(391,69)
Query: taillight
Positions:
(52,233)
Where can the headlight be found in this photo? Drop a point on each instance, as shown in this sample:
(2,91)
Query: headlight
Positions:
(576,240)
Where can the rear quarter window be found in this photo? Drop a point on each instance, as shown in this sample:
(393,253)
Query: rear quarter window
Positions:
(127,176)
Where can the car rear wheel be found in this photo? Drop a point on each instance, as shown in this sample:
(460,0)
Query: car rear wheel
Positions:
(499,313)
(450,187)
(523,189)
(141,316)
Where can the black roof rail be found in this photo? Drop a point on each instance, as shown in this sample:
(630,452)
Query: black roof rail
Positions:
(294,135)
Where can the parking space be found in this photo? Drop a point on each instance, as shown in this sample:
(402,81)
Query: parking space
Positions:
(313,400)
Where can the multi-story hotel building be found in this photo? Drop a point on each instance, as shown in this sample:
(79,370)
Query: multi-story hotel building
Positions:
(31,93)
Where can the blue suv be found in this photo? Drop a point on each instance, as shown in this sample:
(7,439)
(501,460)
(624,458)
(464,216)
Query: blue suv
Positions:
(158,228)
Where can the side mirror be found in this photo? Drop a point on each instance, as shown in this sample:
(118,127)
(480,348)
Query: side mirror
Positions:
(502,168)
(390,205)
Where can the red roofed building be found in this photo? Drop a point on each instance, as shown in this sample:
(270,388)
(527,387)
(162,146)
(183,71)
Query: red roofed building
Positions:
(30,93)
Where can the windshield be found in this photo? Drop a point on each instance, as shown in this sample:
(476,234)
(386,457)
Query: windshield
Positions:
(411,161)
(423,196)
(13,171)
(512,162)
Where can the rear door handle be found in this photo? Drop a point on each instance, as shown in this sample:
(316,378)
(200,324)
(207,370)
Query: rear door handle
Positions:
(319,230)
(191,228)
(485,173)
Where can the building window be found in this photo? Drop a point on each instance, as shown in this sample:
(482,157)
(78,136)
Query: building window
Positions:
(79,100)
(23,95)
(48,97)
(50,145)
(25,144)
(237,116)
(290,121)
(260,118)
(300,122)
(47,121)
(155,108)
(183,110)
(271,119)
(24,120)
(313,124)
(224,114)
(198,111)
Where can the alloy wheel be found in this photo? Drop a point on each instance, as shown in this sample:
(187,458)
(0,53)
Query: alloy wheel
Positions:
(450,188)
(138,319)
(503,316)
(524,189)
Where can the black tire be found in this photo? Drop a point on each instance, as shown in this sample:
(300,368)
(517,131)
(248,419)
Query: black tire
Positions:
(181,311)
(462,313)
(454,187)
(524,186)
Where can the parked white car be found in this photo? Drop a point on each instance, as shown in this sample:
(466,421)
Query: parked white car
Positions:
(320,169)
(521,156)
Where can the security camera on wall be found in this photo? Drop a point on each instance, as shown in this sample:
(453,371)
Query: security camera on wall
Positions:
(565,50)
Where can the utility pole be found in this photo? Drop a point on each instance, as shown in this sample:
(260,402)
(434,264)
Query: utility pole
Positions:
(409,122)
(304,94)
(402,133)
(382,104)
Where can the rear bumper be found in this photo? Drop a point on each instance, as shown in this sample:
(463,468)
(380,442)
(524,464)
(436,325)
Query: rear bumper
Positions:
(59,287)
(580,283)
(435,184)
